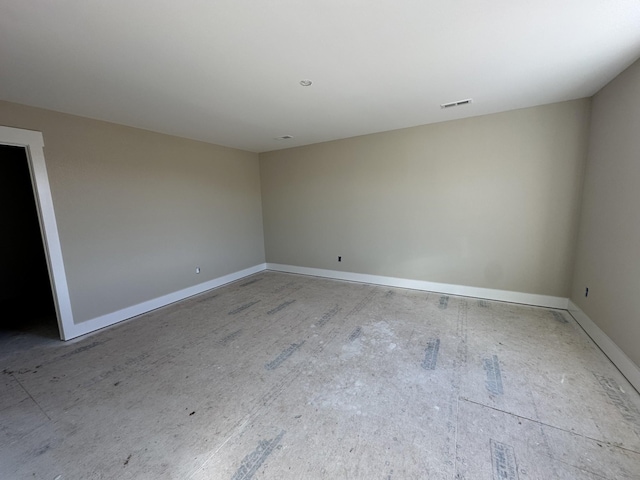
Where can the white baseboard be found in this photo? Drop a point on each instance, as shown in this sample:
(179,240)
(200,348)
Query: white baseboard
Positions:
(461,290)
(144,307)
(626,366)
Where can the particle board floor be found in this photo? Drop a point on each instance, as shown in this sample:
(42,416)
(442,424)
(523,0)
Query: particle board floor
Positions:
(290,377)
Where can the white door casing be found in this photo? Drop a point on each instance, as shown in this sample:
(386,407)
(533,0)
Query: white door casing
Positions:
(33,143)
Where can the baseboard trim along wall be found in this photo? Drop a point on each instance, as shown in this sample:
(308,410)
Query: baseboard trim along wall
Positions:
(629,369)
(144,307)
(626,366)
(461,290)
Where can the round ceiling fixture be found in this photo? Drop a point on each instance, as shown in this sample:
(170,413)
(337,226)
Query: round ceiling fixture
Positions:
(306,83)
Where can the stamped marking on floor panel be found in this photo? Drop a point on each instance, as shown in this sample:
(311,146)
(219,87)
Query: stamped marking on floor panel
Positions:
(129,363)
(80,349)
(226,340)
(619,398)
(431,354)
(444,302)
(559,317)
(286,353)
(327,316)
(243,307)
(494,377)
(461,330)
(280,307)
(362,303)
(207,298)
(353,336)
(483,303)
(503,460)
(282,288)
(253,461)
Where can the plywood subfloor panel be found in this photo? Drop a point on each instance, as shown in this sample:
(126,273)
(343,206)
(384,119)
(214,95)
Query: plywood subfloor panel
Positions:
(288,377)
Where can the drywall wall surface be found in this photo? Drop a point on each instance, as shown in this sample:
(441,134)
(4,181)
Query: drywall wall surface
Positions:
(608,248)
(489,201)
(138,211)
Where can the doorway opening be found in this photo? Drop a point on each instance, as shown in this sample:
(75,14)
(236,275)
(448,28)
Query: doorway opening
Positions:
(19,302)
(25,285)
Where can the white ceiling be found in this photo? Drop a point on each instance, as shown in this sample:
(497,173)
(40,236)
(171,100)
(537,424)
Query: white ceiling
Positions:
(228,71)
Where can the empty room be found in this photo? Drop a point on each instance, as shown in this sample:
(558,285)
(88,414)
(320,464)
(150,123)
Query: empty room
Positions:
(330,240)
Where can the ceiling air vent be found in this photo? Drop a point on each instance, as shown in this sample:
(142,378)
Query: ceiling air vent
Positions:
(285,137)
(466,101)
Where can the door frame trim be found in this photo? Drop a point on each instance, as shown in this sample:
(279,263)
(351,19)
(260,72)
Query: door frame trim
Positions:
(33,142)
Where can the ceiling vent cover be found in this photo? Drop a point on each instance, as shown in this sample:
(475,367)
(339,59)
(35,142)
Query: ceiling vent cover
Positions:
(466,101)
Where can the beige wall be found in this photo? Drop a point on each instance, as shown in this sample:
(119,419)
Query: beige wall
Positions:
(137,211)
(488,201)
(608,249)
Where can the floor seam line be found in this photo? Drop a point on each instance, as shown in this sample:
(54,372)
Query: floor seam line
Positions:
(31,397)
(611,444)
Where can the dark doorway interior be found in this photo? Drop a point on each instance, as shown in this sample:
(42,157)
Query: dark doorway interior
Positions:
(25,290)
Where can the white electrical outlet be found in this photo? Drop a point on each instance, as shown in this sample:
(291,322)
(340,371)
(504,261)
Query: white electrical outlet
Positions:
(197,269)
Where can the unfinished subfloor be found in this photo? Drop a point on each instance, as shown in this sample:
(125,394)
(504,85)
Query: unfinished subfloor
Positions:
(282,376)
